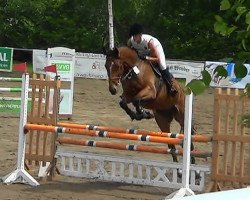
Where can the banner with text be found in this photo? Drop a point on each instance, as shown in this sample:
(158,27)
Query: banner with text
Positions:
(89,65)
(6,59)
(183,69)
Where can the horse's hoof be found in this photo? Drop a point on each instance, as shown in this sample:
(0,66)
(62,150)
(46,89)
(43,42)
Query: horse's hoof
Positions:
(132,116)
(138,116)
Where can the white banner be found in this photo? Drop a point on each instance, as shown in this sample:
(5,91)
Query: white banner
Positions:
(39,61)
(183,69)
(89,65)
(231,81)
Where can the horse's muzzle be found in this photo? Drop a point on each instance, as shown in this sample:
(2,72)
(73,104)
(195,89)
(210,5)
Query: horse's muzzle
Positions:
(112,89)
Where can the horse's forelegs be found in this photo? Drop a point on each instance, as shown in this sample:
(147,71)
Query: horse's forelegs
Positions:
(141,112)
(125,107)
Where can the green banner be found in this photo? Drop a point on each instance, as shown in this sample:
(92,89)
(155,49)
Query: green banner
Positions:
(12,106)
(6,59)
(63,67)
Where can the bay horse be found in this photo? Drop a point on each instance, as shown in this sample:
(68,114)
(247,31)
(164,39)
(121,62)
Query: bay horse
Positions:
(145,89)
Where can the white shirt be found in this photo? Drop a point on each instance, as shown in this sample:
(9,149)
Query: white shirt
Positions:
(143,50)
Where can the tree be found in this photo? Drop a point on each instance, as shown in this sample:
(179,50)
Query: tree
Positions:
(236,22)
(233,24)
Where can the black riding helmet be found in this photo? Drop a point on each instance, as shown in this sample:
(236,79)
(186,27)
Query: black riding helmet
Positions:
(135,29)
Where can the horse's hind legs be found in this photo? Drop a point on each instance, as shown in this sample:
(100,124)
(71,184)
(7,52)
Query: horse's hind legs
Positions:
(179,117)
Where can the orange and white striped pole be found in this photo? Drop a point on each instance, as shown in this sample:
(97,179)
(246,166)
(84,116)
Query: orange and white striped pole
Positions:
(195,138)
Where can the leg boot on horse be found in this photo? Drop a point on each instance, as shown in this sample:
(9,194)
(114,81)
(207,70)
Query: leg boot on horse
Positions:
(141,112)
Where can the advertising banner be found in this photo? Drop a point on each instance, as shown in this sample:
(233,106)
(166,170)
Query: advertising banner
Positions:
(89,65)
(231,81)
(183,69)
(6,59)
(8,105)
(64,69)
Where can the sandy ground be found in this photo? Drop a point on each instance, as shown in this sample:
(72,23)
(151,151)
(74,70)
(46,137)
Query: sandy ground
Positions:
(93,105)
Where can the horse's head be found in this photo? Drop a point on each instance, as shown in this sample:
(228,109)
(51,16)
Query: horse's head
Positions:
(114,67)
(118,61)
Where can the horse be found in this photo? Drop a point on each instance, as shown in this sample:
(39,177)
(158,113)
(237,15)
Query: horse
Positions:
(145,89)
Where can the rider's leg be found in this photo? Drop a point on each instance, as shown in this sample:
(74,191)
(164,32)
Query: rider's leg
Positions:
(168,79)
(166,75)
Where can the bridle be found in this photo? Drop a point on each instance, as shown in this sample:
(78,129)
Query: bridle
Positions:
(110,70)
(122,77)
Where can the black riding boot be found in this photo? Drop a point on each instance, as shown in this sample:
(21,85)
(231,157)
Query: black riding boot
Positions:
(168,79)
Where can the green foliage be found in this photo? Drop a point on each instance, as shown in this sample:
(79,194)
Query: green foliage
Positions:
(221,71)
(236,18)
(196,86)
(42,24)
(206,77)
(185,28)
(236,21)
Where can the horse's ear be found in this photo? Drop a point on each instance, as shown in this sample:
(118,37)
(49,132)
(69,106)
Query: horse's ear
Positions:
(114,53)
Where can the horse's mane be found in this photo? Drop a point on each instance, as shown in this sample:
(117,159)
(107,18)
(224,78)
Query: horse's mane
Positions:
(128,54)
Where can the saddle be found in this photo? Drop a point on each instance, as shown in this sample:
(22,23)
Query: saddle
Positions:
(156,69)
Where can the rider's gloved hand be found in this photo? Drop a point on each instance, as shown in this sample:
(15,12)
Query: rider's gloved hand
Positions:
(142,57)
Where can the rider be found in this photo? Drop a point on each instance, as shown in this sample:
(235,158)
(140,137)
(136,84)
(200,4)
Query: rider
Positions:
(149,48)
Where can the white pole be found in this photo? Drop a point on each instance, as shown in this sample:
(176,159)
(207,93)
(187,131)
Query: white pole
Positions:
(187,142)
(185,190)
(111,31)
(20,175)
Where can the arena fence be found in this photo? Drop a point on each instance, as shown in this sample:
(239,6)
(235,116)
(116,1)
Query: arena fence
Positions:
(231,140)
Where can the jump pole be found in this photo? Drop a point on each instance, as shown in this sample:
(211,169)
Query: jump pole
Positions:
(195,138)
(10,79)
(20,175)
(14,89)
(75,131)
(129,147)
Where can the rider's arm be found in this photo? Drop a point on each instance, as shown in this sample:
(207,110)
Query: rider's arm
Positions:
(129,44)
(154,55)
